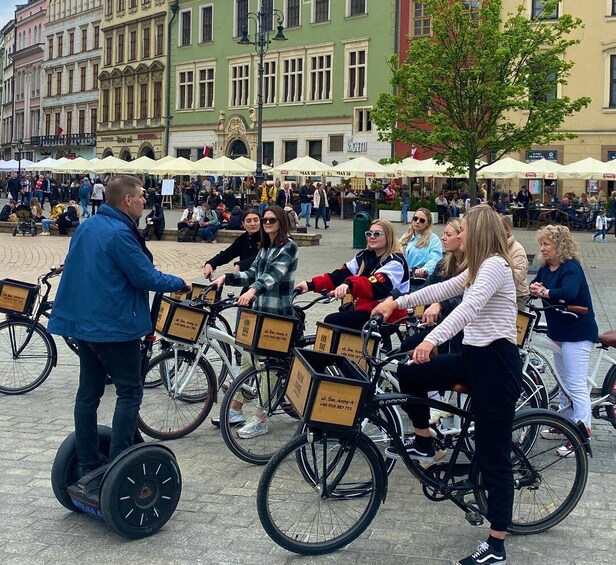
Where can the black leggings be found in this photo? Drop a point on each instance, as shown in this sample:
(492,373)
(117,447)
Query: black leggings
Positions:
(493,374)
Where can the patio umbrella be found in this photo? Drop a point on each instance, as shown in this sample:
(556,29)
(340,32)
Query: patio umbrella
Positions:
(423,168)
(252,165)
(302,166)
(226,166)
(203,164)
(109,164)
(542,169)
(506,168)
(139,165)
(174,166)
(586,169)
(78,165)
(44,165)
(361,167)
(10,165)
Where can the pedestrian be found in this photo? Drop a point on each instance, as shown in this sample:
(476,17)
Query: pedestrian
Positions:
(14,186)
(305,201)
(422,248)
(601,226)
(109,267)
(98,194)
(405,195)
(85,190)
(26,190)
(321,205)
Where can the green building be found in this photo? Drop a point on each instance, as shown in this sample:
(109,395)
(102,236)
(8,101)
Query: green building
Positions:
(318,86)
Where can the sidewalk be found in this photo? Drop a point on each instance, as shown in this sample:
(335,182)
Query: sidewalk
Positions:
(216,521)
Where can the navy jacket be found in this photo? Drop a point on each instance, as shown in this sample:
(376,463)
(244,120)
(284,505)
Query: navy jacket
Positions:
(103,292)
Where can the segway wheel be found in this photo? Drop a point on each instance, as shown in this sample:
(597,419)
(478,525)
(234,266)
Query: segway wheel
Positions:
(14,232)
(33,231)
(64,469)
(141,491)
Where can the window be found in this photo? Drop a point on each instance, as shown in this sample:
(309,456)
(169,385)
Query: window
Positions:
(613,7)
(82,79)
(239,85)
(539,13)
(315,149)
(293,12)
(268,152)
(59,82)
(206,88)
(336,143)
(95,77)
(290,150)
(132,45)
(241,16)
(269,82)
(185,27)
(145,48)
(321,11)
(97,37)
(363,121)
(143,102)
(71,43)
(473,4)
(82,122)
(130,102)
(69,123)
(132,3)
(109,7)
(292,79)
(320,77)
(49,79)
(94,119)
(60,45)
(356,73)
(268,7)
(47,124)
(357,8)
(121,5)
(421,19)
(84,39)
(71,79)
(108,41)
(207,25)
(160,38)
(50,48)
(117,104)
(105,105)
(120,48)
(185,90)
(158,99)
(612,81)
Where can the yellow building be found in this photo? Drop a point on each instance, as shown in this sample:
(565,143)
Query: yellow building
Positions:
(133,78)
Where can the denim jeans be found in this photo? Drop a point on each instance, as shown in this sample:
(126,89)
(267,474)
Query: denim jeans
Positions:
(405,213)
(455,211)
(209,233)
(25,199)
(320,213)
(46,224)
(306,209)
(122,362)
(84,207)
(600,232)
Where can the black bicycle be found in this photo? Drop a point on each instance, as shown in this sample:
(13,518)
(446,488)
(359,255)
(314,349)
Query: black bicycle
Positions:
(321,490)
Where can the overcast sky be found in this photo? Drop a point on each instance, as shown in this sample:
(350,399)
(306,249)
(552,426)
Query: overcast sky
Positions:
(7,10)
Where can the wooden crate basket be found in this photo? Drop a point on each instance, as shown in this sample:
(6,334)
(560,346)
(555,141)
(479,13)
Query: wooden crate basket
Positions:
(522,327)
(343,341)
(212,295)
(179,321)
(17,297)
(325,400)
(265,334)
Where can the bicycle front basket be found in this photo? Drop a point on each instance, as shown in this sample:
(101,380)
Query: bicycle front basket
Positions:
(179,321)
(17,296)
(265,334)
(344,341)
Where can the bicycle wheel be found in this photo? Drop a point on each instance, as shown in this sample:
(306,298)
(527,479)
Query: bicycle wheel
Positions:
(24,371)
(299,513)
(183,400)
(547,487)
(609,387)
(542,363)
(261,391)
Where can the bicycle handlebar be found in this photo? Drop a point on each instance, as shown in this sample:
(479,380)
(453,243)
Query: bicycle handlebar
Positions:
(560,306)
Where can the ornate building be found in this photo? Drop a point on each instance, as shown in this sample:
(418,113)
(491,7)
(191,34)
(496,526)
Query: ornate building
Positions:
(71,68)
(6,134)
(132,108)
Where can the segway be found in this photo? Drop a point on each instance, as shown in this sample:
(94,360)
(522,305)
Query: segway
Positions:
(135,495)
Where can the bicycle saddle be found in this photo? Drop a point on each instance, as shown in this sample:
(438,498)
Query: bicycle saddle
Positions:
(608,338)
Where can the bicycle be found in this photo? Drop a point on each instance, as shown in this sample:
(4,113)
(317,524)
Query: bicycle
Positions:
(321,490)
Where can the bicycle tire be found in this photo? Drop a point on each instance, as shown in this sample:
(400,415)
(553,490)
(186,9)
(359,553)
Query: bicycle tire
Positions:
(166,415)
(292,509)
(282,419)
(546,369)
(547,487)
(609,387)
(31,368)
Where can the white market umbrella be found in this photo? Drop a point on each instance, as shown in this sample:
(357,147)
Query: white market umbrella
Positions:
(78,165)
(44,165)
(542,169)
(423,168)
(10,165)
(109,164)
(302,166)
(361,167)
(226,166)
(252,165)
(139,165)
(204,164)
(174,166)
(506,168)
(586,169)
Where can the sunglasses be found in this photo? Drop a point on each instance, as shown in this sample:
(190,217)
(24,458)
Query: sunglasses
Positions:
(375,233)
(269,220)
(420,220)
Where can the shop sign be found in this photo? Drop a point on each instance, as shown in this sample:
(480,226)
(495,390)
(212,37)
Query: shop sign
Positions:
(536,155)
(356,146)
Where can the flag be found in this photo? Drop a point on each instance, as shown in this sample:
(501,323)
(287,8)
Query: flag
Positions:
(59,130)
(207,151)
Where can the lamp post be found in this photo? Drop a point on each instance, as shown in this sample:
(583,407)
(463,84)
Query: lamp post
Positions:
(261,40)
(20,148)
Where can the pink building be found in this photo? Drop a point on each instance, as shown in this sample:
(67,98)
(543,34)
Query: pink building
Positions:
(28,67)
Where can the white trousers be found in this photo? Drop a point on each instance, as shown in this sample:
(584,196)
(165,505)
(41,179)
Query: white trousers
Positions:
(572,363)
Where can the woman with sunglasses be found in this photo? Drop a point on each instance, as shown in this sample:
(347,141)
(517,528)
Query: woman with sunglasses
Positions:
(369,277)
(489,365)
(422,248)
(270,280)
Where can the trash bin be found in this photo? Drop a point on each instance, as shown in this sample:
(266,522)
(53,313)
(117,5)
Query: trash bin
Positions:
(361,223)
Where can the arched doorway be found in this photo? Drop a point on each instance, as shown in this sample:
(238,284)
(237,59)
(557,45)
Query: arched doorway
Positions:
(108,153)
(146,151)
(238,149)
(125,155)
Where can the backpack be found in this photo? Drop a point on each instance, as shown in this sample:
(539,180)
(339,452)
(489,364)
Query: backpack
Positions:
(185,235)
(292,220)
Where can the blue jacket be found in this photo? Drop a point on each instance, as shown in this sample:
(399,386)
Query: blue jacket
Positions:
(103,293)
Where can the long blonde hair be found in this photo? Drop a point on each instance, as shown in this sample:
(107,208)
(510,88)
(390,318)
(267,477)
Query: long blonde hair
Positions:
(425,236)
(566,246)
(485,237)
(449,265)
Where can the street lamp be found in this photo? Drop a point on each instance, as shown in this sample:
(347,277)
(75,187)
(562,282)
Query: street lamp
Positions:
(20,148)
(261,40)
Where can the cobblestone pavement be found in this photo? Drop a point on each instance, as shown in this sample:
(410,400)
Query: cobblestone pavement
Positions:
(216,521)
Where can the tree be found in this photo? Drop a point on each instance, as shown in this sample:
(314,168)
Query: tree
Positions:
(480,86)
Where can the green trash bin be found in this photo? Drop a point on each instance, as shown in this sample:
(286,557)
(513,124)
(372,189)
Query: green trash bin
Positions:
(361,222)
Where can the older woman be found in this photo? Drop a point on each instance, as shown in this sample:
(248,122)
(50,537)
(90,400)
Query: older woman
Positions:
(562,278)
(422,248)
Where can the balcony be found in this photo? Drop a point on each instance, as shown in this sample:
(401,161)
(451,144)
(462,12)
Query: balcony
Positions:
(72,140)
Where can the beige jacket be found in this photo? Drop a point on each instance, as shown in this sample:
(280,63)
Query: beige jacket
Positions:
(520,267)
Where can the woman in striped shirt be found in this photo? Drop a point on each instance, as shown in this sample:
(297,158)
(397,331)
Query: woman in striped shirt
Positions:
(489,364)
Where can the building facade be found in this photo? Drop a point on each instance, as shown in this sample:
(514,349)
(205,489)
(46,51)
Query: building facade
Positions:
(133,76)
(8,46)
(318,89)
(71,67)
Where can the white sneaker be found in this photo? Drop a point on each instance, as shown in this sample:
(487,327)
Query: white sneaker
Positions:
(565,450)
(552,434)
(254,427)
(236,418)
(44,233)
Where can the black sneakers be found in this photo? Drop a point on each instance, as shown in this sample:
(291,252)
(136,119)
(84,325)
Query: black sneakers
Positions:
(485,555)
(414,452)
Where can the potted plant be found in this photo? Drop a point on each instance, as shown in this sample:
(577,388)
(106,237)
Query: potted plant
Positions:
(391,211)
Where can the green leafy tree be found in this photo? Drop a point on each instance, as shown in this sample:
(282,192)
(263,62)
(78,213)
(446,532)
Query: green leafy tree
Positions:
(481,85)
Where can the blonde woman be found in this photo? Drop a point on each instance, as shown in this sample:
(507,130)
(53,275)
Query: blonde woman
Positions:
(369,277)
(422,248)
(489,365)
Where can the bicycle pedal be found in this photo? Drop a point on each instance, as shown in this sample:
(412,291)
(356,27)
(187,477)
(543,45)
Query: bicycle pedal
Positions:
(474,518)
